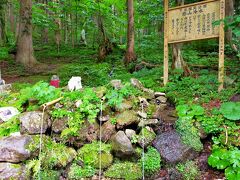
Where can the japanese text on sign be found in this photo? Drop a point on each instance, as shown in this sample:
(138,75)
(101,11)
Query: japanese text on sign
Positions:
(192,22)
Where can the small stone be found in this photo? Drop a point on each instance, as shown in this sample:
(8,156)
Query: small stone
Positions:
(143,101)
(148,122)
(117,84)
(125,105)
(157,94)
(4,88)
(104,118)
(130,133)
(7,113)
(142,114)
(161,99)
(78,103)
(121,145)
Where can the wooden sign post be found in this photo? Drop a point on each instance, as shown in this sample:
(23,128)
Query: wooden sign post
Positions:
(194,22)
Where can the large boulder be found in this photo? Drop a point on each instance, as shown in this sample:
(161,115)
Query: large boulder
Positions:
(31,122)
(12,171)
(121,145)
(126,118)
(107,131)
(14,148)
(172,149)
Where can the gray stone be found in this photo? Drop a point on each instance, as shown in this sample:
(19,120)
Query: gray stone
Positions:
(107,131)
(158,112)
(117,84)
(142,114)
(137,84)
(171,148)
(14,148)
(5,87)
(174,174)
(12,171)
(7,113)
(31,122)
(130,133)
(126,118)
(161,99)
(148,122)
(121,145)
(157,94)
(59,125)
(104,118)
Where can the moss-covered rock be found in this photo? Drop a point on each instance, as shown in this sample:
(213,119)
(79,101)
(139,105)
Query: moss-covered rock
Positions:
(77,172)
(126,118)
(90,155)
(126,170)
(146,137)
(12,171)
(56,155)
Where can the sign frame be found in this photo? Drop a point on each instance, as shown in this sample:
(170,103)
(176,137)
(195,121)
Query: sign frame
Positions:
(220,36)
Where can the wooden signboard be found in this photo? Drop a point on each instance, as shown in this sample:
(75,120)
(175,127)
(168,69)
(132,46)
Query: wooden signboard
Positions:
(194,22)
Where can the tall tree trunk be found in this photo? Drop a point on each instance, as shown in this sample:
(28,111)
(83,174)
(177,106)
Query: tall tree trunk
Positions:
(11,17)
(177,59)
(3,36)
(229,13)
(25,53)
(130,54)
(105,45)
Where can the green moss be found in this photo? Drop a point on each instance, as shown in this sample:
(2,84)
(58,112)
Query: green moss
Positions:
(151,161)
(49,174)
(146,136)
(189,170)
(189,133)
(89,154)
(126,170)
(57,155)
(77,172)
(151,109)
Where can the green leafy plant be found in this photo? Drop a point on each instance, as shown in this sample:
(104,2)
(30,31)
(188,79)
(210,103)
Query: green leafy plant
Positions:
(78,172)
(228,160)
(189,170)
(185,125)
(231,110)
(11,126)
(151,161)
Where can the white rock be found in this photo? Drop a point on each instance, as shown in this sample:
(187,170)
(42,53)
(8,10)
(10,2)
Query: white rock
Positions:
(7,113)
(75,83)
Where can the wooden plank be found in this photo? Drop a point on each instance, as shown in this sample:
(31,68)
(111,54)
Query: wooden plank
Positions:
(180,41)
(194,21)
(221,46)
(165,73)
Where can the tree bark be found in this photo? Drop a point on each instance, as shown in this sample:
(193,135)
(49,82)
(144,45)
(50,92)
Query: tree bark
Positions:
(229,14)
(130,55)
(25,53)
(3,36)
(177,59)
(105,45)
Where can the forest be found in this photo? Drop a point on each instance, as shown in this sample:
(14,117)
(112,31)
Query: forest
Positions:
(86,91)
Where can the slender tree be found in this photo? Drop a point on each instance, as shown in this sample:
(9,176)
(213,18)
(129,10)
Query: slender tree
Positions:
(3,36)
(25,52)
(130,54)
